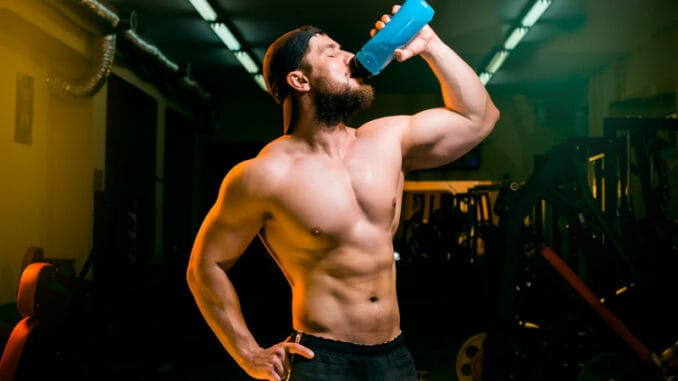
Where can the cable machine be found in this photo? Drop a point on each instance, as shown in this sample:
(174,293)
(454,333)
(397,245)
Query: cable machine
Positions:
(581,281)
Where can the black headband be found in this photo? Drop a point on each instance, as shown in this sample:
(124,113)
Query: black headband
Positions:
(284,56)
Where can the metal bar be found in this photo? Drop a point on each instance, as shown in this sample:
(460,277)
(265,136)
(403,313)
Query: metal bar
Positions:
(578,285)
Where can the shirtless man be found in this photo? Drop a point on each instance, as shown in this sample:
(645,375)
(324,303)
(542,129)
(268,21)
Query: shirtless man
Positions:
(325,200)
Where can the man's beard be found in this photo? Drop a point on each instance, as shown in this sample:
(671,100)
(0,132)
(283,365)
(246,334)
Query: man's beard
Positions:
(334,106)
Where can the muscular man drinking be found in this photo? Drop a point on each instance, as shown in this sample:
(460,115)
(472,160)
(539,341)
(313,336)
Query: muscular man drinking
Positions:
(325,200)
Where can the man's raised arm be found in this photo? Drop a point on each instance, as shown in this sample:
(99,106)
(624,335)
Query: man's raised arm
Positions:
(438,136)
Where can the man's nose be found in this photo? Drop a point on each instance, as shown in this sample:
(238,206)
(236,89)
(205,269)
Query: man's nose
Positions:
(348,57)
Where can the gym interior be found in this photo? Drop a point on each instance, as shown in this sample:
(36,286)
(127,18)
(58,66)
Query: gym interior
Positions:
(549,252)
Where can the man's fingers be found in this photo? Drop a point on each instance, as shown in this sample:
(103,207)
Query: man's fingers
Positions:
(280,370)
(402,54)
(294,348)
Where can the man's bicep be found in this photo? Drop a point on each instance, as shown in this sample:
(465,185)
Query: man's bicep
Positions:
(225,234)
(234,219)
(436,137)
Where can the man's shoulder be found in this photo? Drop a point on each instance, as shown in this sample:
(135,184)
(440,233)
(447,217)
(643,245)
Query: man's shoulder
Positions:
(388,125)
(266,165)
(274,154)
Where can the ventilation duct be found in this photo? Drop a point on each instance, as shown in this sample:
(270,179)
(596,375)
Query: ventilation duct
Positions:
(94,79)
(146,52)
(104,25)
(90,15)
(101,22)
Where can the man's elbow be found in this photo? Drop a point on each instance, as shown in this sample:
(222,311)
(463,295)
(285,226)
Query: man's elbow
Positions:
(493,113)
(192,277)
(491,118)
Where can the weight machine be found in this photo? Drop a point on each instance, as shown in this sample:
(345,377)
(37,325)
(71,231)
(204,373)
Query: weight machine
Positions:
(582,279)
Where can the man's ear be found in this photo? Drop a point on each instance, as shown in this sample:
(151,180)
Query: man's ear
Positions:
(298,81)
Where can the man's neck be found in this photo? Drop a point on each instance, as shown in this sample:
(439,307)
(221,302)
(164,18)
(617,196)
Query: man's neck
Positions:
(331,140)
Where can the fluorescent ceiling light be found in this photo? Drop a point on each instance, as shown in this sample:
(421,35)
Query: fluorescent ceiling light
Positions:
(247,62)
(538,8)
(226,36)
(497,61)
(205,9)
(259,79)
(517,34)
(515,37)
(485,77)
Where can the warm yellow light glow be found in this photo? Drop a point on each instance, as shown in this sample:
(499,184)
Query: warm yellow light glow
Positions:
(624,289)
(597,157)
(528,324)
(458,186)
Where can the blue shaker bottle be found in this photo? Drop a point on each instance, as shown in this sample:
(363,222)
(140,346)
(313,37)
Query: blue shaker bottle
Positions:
(377,53)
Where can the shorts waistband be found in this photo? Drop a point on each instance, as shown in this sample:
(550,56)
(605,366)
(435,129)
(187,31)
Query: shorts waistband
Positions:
(330,345)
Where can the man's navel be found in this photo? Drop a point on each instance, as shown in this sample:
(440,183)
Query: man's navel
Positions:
(316,230)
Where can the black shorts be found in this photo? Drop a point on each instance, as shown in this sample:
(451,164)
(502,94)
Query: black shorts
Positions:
(342,361)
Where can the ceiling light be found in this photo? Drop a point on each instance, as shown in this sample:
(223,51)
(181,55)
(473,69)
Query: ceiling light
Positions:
(515,37)
(497,61)
(226,36)
(538,8)
(517,34)
(205,9)
(247,62)
(259,79)
(485,77)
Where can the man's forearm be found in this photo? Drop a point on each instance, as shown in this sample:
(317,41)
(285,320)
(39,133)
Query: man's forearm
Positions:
(220,307)
(462,90)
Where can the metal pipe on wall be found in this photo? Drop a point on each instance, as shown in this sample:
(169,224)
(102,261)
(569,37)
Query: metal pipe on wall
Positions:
(105,24)
(101,22)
